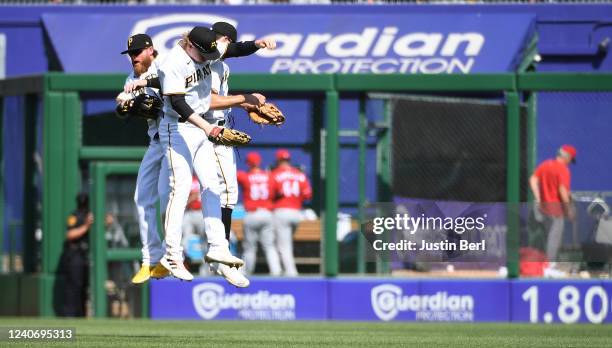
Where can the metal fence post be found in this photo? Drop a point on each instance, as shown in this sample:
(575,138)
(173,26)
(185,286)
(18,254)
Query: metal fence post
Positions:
(363,142)
(513,176)
(97,241)
(331,184)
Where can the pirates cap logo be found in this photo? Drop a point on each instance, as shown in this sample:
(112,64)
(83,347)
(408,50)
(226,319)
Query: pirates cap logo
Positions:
(213,45)
(130,41)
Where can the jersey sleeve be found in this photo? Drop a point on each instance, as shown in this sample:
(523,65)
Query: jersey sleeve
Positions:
(216,77)
(241,177)
(172,78)
(565,178)
(272,186)
(306,189)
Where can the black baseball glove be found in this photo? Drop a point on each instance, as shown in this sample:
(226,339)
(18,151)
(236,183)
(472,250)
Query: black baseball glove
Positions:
(144,105)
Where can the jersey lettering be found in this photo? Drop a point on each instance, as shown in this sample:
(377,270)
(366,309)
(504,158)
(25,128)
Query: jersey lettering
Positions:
(197,76)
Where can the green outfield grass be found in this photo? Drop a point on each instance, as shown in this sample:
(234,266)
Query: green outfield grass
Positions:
(179,334)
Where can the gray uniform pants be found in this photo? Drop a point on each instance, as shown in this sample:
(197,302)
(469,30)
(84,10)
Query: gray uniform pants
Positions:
(555,227)
(259,226)
(285,223)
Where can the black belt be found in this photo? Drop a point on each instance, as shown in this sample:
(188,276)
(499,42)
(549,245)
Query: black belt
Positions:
(216,123)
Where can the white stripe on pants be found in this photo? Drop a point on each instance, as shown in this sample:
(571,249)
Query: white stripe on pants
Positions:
(226,170)
(285,223)
(151,185)
(259,225)
(187,149)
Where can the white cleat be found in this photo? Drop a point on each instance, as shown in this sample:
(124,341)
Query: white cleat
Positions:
(176,268)
(223,256)
(232,275)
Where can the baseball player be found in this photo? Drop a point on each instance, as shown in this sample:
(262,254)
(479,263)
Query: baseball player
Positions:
(289,188)
(226,36)
(185,79)
(226,163)
(151,185)
(258,222)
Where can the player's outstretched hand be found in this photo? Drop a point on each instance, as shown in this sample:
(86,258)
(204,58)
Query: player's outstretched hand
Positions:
(254,99)
(265,43)
(134,85)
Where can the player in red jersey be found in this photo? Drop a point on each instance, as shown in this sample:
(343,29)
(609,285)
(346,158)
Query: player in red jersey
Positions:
(289,189)
(258,222)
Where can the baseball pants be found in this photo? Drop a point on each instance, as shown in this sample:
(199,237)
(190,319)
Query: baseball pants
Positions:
(187,149)
(555,226)
(259,226)
(285,222)
(226,171)
(151,186)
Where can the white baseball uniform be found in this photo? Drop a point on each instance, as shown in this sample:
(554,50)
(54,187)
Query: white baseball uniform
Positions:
(226,162)
(152,181)
(187,150)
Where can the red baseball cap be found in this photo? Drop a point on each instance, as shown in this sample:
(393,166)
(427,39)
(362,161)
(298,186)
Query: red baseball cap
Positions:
(570,151)
(253,158)
(283,154)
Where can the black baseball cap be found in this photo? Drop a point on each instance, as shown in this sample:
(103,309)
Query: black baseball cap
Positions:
(205,40)
(138,42)
(225,29)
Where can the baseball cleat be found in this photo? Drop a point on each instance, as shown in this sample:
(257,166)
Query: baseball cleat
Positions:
(158,272)
(224,257)
(176,268)
(232,275)
(143,274)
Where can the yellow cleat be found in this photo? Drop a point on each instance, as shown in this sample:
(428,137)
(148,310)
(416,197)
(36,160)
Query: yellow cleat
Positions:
(158,271)
(142,275)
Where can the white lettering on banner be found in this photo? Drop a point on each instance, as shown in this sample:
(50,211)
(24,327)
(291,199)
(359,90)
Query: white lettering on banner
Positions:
(376,66)
(388,300)
(209,299)
(371,50)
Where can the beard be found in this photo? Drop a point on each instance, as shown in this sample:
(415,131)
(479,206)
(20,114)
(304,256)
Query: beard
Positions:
(141,66)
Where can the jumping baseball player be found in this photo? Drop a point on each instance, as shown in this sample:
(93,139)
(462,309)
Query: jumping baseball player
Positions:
(289,188)
(151,183)
(226,169)
(188,144)
(258,222)
(226,35)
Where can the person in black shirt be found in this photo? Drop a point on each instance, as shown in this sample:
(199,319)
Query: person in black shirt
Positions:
(74,258)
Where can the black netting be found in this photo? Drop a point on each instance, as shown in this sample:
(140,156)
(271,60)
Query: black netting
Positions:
(451,149)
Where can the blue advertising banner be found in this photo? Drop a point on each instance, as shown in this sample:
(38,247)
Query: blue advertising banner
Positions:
(341,43)
(264,299)
(380,299)
(371,299)
(561,301)
(419,300)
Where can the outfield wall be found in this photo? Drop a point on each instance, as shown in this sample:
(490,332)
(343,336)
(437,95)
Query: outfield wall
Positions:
(380,299)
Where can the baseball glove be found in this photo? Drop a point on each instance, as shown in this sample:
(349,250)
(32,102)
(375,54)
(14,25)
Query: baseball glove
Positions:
(144,105)
(228,137)
(267,114)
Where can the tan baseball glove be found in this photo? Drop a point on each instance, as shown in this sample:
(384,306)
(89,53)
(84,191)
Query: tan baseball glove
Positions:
(228,137)
(267,114)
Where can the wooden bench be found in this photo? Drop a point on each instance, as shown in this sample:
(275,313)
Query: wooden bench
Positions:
(307,231)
